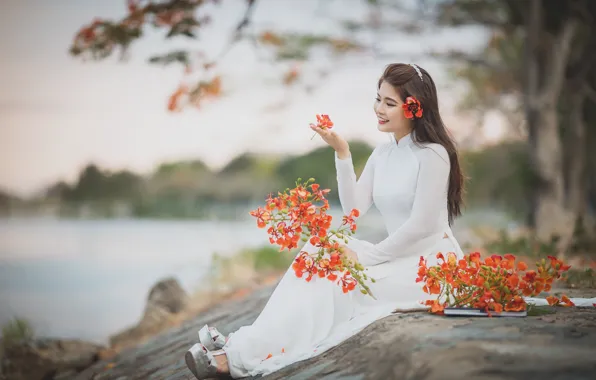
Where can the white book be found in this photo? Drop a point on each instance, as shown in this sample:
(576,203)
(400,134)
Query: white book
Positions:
(470,312)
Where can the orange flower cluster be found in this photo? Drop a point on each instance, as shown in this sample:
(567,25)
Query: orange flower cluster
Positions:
(204,90)
(271,38)
(300,214)
(175,98)
(324,122)
(494,285)
(291,76)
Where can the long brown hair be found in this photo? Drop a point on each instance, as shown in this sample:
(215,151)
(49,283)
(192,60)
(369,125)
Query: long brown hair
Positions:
(430,128)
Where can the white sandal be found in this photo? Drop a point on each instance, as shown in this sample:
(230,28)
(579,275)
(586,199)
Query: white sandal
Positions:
(211,338)
(201,362)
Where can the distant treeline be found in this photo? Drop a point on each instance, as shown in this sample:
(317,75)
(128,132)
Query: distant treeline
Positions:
(498,176)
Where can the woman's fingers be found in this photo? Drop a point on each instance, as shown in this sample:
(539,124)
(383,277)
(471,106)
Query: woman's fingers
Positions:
(319,130)
(329,136)
(323,132)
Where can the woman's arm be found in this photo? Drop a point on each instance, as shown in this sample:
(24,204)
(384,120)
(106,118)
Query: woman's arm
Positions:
(423,223)
(352,193)
(355,193)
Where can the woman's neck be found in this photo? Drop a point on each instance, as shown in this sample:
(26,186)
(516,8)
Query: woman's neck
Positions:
(399,135)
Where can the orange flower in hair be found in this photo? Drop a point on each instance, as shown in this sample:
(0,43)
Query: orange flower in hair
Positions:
(412,108)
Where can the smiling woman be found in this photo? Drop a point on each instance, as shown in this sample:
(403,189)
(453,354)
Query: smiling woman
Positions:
(404,105)
(416,184)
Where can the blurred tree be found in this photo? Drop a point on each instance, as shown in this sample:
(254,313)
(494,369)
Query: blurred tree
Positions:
(260,166)
(60,191)
(183,178)
(90,184)
(499,177)
(246,178)
(123,185)
(541,56)
(320,164)
(167,168)
(7,200)
(95,184)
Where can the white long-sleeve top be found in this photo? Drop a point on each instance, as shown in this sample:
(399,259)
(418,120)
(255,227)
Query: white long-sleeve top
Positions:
(408,184)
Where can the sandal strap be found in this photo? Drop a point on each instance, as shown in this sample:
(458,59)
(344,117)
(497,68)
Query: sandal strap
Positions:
(201,362)
(212,338)
(217,338)
(212,361)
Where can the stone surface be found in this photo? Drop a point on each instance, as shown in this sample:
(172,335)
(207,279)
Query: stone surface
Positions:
(166,298)
(167,295)
(560,345)
(44,359)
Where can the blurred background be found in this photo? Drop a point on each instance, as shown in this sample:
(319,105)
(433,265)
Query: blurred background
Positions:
(136,136)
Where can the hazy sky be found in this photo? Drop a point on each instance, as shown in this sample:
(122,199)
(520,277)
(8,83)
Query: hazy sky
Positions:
(57,113)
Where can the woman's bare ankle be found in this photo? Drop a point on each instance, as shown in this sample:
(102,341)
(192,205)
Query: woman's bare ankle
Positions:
(222,363)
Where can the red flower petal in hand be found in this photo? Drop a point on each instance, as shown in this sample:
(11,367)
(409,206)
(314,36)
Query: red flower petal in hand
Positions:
(323,121)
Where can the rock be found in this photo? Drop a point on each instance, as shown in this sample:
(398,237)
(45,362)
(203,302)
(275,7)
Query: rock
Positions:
(413,346)
(166,298)
(46,359)
(168,295)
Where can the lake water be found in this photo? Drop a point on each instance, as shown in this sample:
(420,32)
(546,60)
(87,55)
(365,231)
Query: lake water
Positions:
(90,279)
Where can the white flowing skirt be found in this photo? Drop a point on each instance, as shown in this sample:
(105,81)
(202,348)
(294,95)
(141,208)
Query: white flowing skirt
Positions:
(304,319)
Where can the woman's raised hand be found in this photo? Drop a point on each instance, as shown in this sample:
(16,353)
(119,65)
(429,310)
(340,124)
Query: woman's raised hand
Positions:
(334,140)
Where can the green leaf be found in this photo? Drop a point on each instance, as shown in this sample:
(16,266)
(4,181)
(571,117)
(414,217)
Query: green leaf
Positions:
(534,311)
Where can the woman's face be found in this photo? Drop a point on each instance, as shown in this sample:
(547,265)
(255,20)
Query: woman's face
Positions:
(390,115)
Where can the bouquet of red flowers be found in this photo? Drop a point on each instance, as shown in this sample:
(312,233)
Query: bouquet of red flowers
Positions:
(494,284)
(300,214)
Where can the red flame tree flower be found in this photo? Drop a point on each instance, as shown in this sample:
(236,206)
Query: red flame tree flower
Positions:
(495,284)
(324,122)
(412,108)
(300,214)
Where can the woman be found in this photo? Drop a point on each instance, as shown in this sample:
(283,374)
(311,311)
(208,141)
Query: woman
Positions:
(416,183)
